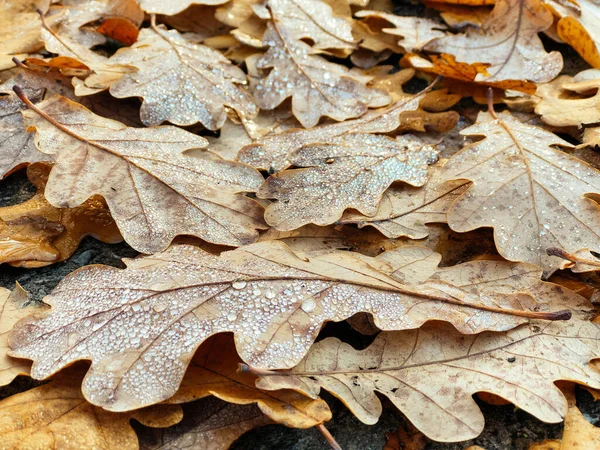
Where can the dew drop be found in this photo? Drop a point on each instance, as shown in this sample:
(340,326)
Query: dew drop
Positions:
(238,285)
(308,305)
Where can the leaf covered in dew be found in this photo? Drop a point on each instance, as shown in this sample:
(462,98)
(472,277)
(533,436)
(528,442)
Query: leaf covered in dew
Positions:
(140,326)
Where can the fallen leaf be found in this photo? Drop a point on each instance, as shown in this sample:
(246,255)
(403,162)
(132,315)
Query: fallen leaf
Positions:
(153,191)
(201,81)
(430,374)
(35,233)
(507,43)
(140,326)
(459,17)
(406,437)
(350,171)
(311,239)
(173,7)
(13,307)
(208,424)
(317,87)
(524,188)
(406,210)
(57,416)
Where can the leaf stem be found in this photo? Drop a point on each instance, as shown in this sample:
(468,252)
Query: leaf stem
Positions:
(245,368)
(554,251)
(330,439)
(490,103)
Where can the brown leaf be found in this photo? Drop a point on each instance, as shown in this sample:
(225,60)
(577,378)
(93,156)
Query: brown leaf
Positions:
(200,80)
(508,44)
(208,424)
(57,416)
(524,188)
(172,7)
(154,192)
(430,374)
(317,87)
(350,171)
(406,437)
(35,233)
(312,239)
(140,326)
(405,210)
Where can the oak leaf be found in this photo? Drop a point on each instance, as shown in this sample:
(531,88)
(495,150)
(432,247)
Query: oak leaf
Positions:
(173,7)
(405,210)
(140,326)
(532,194)
(57,416)
(507,43)
(180,81)
(153,191)
(430,374)
(35,233)
(317,87)
(349,171)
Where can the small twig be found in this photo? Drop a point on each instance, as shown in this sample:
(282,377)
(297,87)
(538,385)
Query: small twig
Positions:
(245,368)
(330,439)
(553,251)
(490,102)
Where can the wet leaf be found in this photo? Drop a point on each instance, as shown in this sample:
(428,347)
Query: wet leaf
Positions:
(154,192)
(140,326)
(173,6)
(350,171)
(531,193)
(431,374)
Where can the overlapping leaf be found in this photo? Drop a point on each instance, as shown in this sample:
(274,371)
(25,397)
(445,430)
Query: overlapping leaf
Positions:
(141,326)
(173,6)
(154,192)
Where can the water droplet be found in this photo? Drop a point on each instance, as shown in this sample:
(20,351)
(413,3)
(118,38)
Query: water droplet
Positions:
(308,305)
(239,284)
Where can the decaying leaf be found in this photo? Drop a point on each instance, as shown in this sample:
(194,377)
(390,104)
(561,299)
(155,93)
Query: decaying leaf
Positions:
(214,371)
(415,32)
(208,424)
(172,7)
(406,437)
(57,416)
(154,192)
(13,307)
(405,210)
(35,233)
(317,87)
(430,374)
(180,81)
(140,326)
(350,171)
(274,151)
(507,43)
(524,188)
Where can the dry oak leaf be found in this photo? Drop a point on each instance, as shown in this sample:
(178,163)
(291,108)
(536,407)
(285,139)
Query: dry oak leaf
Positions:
(179,81)
(405,210)
(141,326)
(416,32)
(36,234)
(507,43)
(214,371)
(349,171)
(57,416)
(274,151)
(532,194)
(173,7)
(312,239)
(430,374)
(317,87)
(13,307)
(208,424)
(153,191)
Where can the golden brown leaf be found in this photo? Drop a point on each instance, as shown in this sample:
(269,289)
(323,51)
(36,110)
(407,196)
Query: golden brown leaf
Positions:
(179,81)
(406,437)
(430,374)
(154,192)
(532,194)
(57,416)
(140,326)
(507,43)
(312,239)
(350,171)
(35,233)
(173,7)
(405,210)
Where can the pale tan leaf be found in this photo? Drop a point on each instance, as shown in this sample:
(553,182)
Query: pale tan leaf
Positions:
(312,239)
(140,326)
(153,191)
(405,210)
(350,171)
(317,87)
(532,194)
(508,43)
(431,374)
(274,151)
(172,7)
(208,424)
(415,32)
(56,416)
(179,81)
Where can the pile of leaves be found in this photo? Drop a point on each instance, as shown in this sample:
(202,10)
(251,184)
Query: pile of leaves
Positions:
(281,165)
